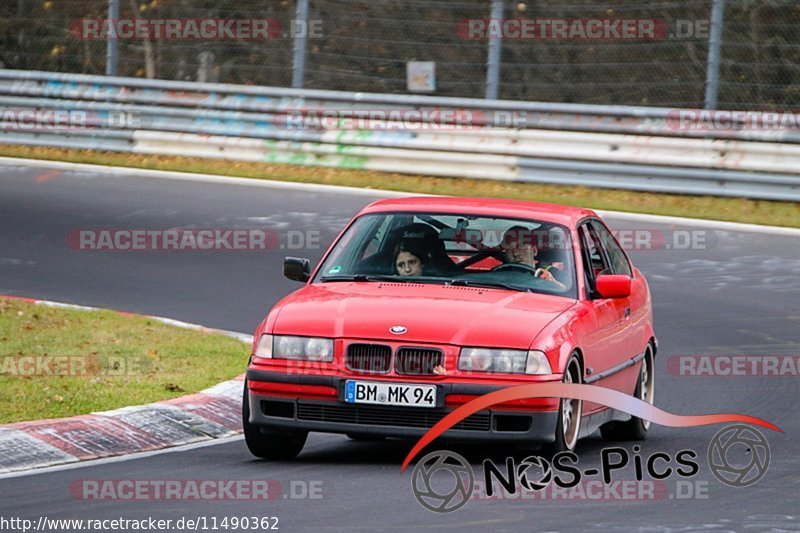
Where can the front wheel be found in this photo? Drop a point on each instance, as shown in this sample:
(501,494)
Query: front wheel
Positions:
(569,412)
(269,443)
(636,428)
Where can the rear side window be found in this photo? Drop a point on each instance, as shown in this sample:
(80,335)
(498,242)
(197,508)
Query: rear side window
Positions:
(618,262)
(593,252)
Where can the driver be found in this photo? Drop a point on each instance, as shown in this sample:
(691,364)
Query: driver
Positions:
(519,249)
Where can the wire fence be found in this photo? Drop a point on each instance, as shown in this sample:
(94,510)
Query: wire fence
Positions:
(567,51)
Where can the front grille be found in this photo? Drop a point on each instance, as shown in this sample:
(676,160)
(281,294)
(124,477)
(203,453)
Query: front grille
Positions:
(376,415)
(375,358)
(417,361)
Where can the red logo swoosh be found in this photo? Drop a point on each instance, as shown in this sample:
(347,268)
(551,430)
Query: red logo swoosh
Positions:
(588,393)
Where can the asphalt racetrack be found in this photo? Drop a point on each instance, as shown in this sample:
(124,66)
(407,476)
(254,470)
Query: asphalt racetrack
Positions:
(735,294)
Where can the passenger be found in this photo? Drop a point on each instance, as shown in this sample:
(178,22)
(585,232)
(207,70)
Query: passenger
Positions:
(417,236)
(409,259)
(520,249)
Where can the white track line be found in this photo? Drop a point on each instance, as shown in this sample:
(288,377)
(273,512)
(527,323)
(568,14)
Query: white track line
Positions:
(121,458)
(700,222)
(312,187)
(244,337)
(204,178)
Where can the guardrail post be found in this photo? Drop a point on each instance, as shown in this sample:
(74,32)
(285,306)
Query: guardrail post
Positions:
(112,49)
(300,39)
(714,53)
(493,59)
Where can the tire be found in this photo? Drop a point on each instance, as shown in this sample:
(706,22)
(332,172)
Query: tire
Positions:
(569,412)
(268,443)
(635,428)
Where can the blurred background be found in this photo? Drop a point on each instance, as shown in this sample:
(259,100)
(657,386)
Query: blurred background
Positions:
(364,45)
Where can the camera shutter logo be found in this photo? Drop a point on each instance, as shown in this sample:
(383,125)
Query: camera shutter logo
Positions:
(736,442)
(531,464)
(455,493)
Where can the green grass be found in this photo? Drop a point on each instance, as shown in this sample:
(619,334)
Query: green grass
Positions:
(108,360)
(708,207)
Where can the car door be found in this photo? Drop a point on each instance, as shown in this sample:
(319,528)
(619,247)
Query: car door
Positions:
(608,344)
(637,303)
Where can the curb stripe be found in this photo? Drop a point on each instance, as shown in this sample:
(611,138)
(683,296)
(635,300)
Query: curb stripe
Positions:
(213,413)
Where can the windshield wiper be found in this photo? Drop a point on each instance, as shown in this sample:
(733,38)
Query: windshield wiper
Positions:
(364,278)
(486,284)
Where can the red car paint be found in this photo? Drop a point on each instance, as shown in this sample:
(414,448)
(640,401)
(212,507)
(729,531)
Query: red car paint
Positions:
(606,333)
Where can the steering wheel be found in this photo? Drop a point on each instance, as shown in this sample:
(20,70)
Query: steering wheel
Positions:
(515,266)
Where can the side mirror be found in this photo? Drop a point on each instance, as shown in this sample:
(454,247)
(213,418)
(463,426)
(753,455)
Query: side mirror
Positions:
(297,268)
(613,285)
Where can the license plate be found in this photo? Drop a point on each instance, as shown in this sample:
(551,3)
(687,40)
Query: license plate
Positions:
(390,393)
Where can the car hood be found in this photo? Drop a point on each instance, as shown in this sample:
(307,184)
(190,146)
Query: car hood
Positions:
(465,316)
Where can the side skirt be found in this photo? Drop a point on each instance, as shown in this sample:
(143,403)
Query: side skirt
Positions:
(591,423)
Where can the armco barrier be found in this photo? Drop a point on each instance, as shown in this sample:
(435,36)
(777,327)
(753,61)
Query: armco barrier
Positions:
(633,148)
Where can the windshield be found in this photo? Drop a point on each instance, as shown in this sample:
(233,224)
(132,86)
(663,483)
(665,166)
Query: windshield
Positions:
(503,253)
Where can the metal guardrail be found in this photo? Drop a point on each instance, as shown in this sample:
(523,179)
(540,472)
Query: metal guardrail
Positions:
(636,148)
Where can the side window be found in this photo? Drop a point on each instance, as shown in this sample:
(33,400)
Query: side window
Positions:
(374,244)
(339,261)
(616,257)
(592,253)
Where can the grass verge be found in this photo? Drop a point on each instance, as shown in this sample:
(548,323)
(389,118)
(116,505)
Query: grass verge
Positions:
(62,362)
(708,207)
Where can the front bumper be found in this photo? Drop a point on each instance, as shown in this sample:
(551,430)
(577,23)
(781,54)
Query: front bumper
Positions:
(299,411)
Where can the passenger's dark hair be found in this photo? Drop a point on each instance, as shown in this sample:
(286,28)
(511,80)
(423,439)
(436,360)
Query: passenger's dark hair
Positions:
(414,248)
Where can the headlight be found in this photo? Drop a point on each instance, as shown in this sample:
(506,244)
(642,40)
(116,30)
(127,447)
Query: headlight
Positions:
(537,363)
(302,348)
(507,361)
(264,347)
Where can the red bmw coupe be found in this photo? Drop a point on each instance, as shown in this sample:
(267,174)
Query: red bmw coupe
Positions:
(423,304)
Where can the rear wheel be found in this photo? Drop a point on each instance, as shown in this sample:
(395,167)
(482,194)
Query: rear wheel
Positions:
(569,412)
(269,443)
(636,428)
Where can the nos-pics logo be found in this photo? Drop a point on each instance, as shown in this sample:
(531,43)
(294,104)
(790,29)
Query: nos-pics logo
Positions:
(443,481)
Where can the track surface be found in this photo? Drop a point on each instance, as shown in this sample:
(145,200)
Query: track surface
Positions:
(738,297)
